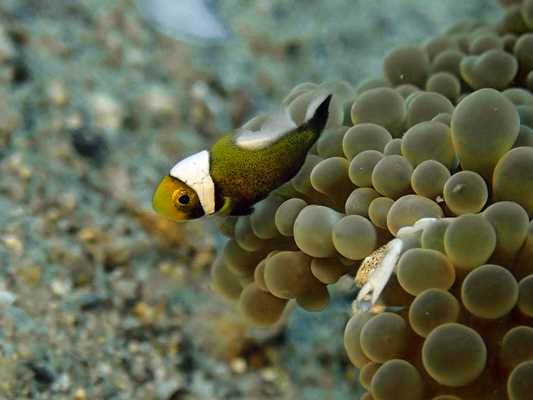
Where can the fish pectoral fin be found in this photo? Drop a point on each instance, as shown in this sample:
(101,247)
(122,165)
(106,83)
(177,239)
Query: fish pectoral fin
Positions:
(227,208)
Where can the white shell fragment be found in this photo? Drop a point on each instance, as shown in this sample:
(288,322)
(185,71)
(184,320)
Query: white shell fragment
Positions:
(7,298)
(377,277)
(186,19)
(194,171)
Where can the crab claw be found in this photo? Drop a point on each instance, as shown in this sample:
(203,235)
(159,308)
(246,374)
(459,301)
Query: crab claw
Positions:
(379,277)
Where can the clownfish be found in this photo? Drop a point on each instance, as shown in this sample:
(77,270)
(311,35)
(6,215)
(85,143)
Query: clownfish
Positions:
(242,168)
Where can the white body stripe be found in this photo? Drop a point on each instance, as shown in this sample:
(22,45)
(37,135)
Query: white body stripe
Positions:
(273,129)
(194,171)
(276,126)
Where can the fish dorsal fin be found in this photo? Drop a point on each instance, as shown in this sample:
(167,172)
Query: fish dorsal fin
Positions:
(273,129)
(314,104)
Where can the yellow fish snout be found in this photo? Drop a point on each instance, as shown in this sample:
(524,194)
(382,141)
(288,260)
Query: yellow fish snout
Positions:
(175,200)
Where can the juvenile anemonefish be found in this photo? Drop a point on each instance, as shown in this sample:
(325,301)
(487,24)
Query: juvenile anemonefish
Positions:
(242,168)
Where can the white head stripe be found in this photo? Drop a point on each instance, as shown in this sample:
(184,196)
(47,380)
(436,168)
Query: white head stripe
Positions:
(194,171)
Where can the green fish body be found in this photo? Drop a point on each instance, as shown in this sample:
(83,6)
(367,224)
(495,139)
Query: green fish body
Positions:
(242,168)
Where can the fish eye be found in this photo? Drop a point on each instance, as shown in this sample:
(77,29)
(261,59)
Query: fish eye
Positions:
(184,199)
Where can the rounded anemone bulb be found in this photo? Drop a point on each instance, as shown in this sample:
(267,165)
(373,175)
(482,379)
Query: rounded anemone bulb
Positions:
(519,97)
(513,178)
(494,68)
(516,347)
(425,106)
(391,177)
(364,136)
(241,261)
(511,222)
(525,113)
(428,140)
(429,178)
(313,230)
(484,116)
(522,52)
(367,373)
(409,209)
(355,237)
(438,44)
(489,292)
(224,280)
(433,236)
(520,383)
(314,300)
(422,269)
(525,296)
(245,236)
(523,263)
(454,355)
(484,42)
(384,337)
(465,193)
(286,215)
(394,147)
(362,166)
(445,118)
(397,379)
(260,308)
(262,221)
(406,89)
(525,137)
(445,83)
(288,274)
(449,60)
(432,308)
(328,270)
(352,339)
(381,106)
(407,64)
(469,241)
(302,180)
(378,211)
(527,12)
(259,274)
(329,144)
(330,177)
(359,201)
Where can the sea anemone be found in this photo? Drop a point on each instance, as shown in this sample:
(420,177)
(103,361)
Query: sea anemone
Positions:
(424,186)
